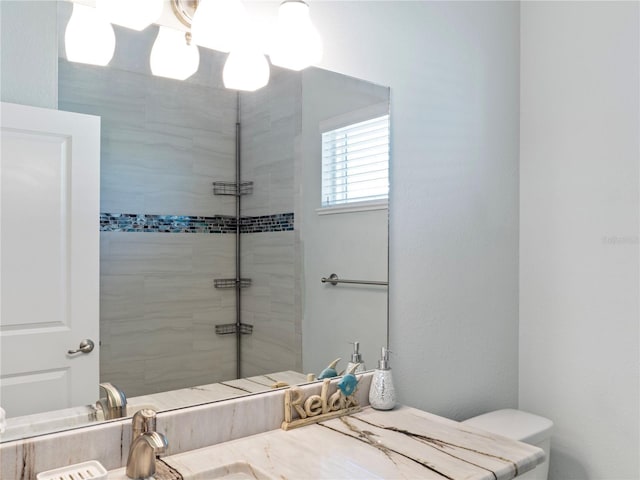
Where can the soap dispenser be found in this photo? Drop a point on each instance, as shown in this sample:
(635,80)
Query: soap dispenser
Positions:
(382,394)
(356,358)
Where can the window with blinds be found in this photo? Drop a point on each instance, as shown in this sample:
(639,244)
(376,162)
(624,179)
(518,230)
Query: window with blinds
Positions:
(355,163)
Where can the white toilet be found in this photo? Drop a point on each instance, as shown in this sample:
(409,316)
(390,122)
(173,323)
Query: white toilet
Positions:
(522,426)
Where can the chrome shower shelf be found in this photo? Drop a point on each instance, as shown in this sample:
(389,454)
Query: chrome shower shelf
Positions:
(231,282)
(231,188)
(232,328)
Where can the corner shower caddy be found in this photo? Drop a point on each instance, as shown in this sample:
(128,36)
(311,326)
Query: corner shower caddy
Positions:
(236,189)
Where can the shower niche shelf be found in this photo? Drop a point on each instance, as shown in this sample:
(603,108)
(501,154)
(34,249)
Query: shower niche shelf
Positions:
(232,328)
(231,282)
(231,188)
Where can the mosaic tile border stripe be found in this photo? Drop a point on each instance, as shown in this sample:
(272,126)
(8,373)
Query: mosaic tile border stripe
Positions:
(280,222)
(132,222)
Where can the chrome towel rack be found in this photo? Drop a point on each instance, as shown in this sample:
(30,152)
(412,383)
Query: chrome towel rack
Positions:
(334,280)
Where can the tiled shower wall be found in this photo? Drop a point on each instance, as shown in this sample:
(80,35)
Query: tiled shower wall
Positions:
(163,144)
(271,126)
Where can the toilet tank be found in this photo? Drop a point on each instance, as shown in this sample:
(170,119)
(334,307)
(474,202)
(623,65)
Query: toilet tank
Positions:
(523,426)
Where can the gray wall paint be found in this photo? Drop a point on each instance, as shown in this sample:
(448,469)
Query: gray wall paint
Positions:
(579,276)
(29,53)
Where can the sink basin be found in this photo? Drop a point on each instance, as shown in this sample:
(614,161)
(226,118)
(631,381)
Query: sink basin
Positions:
(232,471)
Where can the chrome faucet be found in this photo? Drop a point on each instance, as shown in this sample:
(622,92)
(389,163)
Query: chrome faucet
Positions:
(114,405)
(146,443)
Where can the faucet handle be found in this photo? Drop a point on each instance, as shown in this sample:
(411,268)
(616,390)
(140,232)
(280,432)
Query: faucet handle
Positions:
(143,421)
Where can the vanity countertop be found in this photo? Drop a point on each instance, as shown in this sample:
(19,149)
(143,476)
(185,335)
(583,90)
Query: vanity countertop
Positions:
(401,443)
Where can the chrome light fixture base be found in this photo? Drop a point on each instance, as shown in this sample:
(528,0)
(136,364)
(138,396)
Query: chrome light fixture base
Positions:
(184,10)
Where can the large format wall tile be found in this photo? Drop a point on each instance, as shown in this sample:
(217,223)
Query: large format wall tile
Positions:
(159,310)
(270,304)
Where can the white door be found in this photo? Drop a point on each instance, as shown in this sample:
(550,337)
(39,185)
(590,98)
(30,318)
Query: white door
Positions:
(49,258)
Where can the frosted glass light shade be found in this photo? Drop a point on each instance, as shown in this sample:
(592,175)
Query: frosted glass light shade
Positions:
(88,37)
(296,43)
(171,56)
(217,24)
(133,14)
(246,69)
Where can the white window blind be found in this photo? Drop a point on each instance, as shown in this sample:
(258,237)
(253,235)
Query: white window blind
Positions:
(355,162)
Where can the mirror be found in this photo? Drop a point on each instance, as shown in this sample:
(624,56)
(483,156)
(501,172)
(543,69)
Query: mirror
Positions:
(165,241)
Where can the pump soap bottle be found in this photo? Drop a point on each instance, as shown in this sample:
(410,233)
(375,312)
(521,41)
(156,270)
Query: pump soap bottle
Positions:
(382,394)
(356,358)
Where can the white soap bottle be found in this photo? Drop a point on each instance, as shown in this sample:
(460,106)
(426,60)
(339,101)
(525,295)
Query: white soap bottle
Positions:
(382,394)
(356,358)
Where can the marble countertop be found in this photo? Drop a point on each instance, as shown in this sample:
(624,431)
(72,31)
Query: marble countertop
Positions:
(402,443)
(58,420)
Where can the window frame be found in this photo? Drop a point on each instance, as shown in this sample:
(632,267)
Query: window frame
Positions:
(334,123)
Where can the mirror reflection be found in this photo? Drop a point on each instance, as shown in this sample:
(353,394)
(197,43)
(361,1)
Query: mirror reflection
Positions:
(216,229)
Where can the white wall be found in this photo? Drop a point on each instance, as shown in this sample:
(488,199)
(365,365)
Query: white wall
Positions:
(579,344)
(29,53)
(453,69)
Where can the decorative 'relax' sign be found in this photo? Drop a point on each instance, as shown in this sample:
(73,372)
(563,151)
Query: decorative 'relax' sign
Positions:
(317,408)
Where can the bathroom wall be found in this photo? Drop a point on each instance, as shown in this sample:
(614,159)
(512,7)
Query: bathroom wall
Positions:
(28,53)
(579,207)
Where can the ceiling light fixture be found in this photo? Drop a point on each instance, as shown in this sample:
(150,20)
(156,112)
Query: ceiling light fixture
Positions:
(218,24)
(297,43)
(172,55)
(221,25)
(246,67)
(89,38)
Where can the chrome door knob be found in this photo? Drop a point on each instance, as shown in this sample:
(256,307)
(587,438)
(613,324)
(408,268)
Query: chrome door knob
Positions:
(85,346)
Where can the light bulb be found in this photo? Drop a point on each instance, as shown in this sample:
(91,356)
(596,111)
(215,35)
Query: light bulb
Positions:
(134,14)
(246,68)
(88,37)
(297,43)
(171,56)
(217,24)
